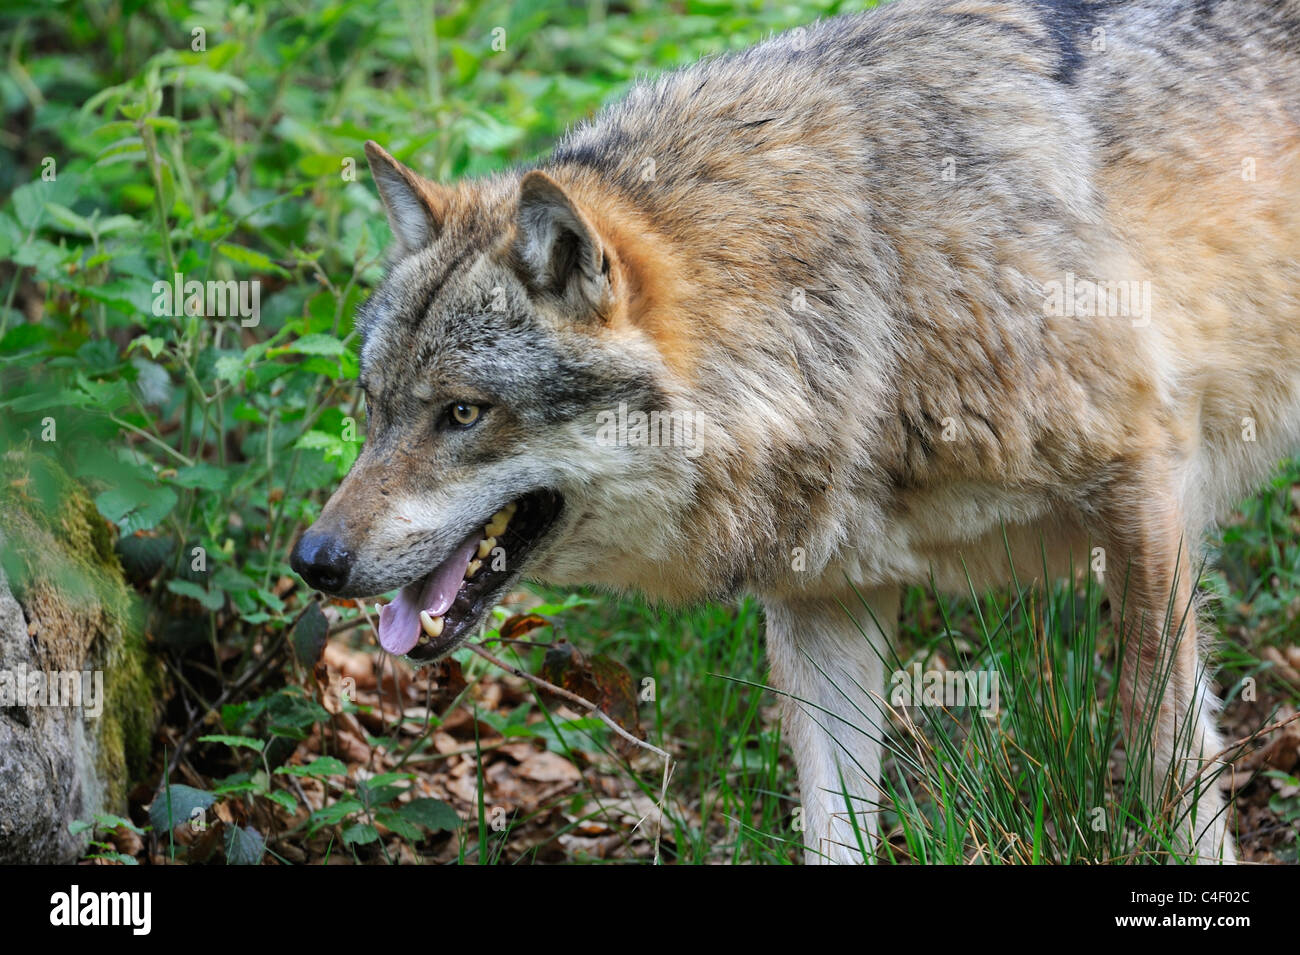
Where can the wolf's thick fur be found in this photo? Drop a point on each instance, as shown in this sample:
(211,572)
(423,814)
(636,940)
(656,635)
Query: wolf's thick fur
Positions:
(843,251)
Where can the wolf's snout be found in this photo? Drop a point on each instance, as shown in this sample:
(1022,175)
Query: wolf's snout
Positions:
(321,560)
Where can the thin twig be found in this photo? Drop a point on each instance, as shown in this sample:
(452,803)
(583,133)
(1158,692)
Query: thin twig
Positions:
(566,695)
(663,798)
(1262,731)
(343,626)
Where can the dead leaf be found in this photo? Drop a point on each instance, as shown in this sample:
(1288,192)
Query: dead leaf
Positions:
(599,680)
(1281,666)
(356,664)
(521,625)
(548,767)
(519,750)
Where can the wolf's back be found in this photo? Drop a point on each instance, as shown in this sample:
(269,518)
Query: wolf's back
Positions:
(865,214)
(955,76)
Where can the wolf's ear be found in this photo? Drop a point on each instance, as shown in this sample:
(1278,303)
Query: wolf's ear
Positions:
(559,252)
(414,206)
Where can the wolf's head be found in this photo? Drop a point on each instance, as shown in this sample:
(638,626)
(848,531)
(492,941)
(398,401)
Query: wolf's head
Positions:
(491,350)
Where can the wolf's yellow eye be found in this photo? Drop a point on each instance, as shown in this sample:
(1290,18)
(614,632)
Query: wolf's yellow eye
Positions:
(463,414)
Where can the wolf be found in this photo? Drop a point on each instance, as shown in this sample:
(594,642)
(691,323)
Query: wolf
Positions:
(946,289)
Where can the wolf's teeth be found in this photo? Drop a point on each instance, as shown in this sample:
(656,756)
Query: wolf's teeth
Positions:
(497,526)
(510,509)
(485,546)
(472,569)
(430,625)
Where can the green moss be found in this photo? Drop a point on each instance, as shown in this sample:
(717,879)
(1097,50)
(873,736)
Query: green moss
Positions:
(131,689)
(58,555)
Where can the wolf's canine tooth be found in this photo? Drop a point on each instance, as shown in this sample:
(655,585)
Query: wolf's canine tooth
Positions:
(497,525)
(431,625)
(472,569)
(485,546)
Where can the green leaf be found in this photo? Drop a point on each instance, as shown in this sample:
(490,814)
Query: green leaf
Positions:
(43,256)
(109,822)
(378,795)
(213,600)
(284,799)
(183,801)
(318,440)
(116,129)
(258,261)
(69,220)
(314,344)
(320,767)
(360,834)
(29,203)
(108,395)
(23,336)
(385,779)
(238,787)
(333,814)
(392,819)
(270,598)
(320,164)
(230,368)
(244,846)
(30,199)
(293,712)
(256,745)
(434,814)
(127,148)
(309,633)
(214,81)
(136,507)
(233,581)
(149,343)
(209,477)
(166,183)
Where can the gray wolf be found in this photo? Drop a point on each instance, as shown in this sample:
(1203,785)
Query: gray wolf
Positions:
(921,278)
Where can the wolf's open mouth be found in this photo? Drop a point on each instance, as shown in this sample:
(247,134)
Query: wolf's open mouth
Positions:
(432,616)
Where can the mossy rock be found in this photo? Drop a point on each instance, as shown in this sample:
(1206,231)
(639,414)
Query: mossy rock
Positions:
(65,607)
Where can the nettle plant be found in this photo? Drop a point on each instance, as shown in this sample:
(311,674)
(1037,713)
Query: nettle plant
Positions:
(186,245)
(189,233)
(199,385)
(176,330)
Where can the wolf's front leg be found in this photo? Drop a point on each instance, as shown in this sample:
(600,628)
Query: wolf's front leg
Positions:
(828,667)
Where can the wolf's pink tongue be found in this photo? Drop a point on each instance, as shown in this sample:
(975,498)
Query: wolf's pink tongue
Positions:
(399,622)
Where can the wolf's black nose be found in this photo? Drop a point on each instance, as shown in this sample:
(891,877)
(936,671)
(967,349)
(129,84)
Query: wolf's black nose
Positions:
(321,561)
